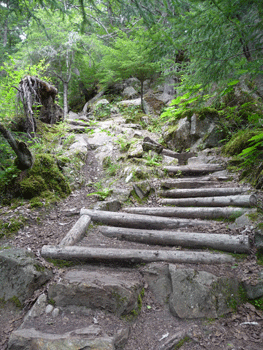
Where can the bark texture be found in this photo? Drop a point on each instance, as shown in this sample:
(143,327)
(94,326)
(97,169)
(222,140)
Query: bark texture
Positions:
(24,156)
(229,243)
(133,255)
(139,221)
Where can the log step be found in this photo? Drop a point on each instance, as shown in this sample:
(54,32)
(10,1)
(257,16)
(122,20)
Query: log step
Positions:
(193,183)
(139,221)
(229,243)
(190,213)
(77,253)
(219,201)
(194,170)
(203,192)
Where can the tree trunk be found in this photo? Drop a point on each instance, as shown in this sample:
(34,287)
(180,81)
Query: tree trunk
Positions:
(133,255)
(142,96)
(65,100)
(203,192)
(24,156)
(77,231)
(139,221)
(192,213)
(220,201)
(238,244)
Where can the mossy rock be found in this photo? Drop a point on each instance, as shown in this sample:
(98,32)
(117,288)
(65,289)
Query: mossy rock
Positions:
(44,175)
(32,186)
(239,142)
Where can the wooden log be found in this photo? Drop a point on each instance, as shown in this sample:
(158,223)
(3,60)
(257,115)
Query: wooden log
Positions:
(219,201)
(77,231)
(202,192)
(139,221)
(229,243)
(194,170)
(190,213)
(190,183)
(133,255)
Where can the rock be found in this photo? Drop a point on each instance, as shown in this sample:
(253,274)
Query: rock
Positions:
(129,92)
(20,275)
(197,294)
(75,340)
(72,116)
(79,147)
(110,205)
(49,309)
(55,312)
(101,103)
(135,102)
(135,149)
(37,309)
(254,290)
(243,220)
(157,277)
(177,136)
(121,337)
(112,292)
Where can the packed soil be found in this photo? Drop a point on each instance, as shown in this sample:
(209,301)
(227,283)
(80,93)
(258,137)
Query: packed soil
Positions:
(242,329)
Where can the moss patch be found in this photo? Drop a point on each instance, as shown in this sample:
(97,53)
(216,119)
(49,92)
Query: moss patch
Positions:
(239,142)
(44,176)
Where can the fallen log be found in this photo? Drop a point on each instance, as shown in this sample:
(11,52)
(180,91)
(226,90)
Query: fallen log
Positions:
(203,192)
(190,213)
(77,231)
(133,255)
(139,221)
(194,170)
(190,183)
(219,201)
(236,244)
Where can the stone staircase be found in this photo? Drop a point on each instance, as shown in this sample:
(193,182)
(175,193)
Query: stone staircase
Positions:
(94,304)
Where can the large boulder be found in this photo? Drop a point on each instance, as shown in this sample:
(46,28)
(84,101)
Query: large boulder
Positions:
(198,294)
(195,131)
(20,275)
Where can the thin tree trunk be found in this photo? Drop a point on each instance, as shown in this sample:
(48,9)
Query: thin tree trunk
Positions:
(142,95)
(133,255)
(238,244)
(65,99)
(25,158)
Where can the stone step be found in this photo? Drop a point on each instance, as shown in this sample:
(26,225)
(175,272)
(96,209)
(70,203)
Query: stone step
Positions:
(109,255)
(203,192)
(190,213)
(108,290)
(67,328)
(201,169)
